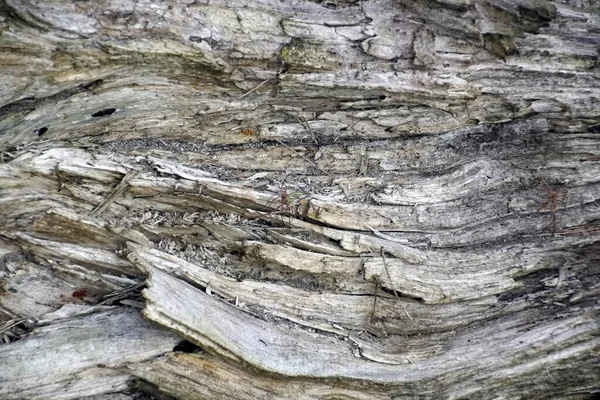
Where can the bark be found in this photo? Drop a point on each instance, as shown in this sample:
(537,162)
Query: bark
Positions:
(310,199)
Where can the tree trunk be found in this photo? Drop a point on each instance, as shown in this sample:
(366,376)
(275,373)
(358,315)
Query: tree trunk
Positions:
(332,199)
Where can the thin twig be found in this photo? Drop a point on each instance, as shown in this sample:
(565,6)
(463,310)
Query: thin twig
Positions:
(306,126)
(112,297)
(408,315)
(553,198)
(561,275)
(374,301)
(10,324)
(387,272)
(392,285)
(118,191)
(126,290)
(255,88)
(7,154)
(386,237)
(312,162)
(259,85)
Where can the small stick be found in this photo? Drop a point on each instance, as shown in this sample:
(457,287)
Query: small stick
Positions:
(259,85)
(553,197)
(11,323)
(408,315)
(387,272)
(255,88)
(392,285)
(118,191)
(306,126)
(374,301)
(112,297)
(312,162)
(561,275)
(6,153)
(127,290)
(386,237)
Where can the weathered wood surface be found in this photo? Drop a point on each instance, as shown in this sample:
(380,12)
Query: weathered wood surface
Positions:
(324,199)
(74,355)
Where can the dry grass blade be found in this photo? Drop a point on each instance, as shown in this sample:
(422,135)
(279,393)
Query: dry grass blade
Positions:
(117,191)
(552,199)
(377,283)
(123,294)
(254,89)
(314,164)
(14,329)
(10,324)
(387,272)
(283,203)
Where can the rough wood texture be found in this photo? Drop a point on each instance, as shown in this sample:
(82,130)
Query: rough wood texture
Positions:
(308,199)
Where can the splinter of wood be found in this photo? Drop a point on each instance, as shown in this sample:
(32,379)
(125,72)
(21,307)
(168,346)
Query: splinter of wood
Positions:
(553,198)
(376,283)
(314,164)
(260,85)
(116,193)
(387,272)
(306,126)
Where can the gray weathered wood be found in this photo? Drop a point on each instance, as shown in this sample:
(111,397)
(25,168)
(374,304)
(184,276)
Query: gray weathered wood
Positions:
(327,199)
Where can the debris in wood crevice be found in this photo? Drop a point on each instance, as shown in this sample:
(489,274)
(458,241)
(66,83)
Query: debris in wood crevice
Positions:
(15,329)
(15,257)
(131,296)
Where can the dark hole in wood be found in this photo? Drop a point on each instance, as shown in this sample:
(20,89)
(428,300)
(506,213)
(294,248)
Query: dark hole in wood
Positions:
(41,131)
(186,347)
(195,39)
(102,113)
(594,129)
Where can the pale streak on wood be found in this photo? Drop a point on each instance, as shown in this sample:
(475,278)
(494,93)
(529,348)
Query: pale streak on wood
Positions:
(316,310)
(92,382)
(448,187)
(387,274)
(362,243)
(169,167)
(217,326)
